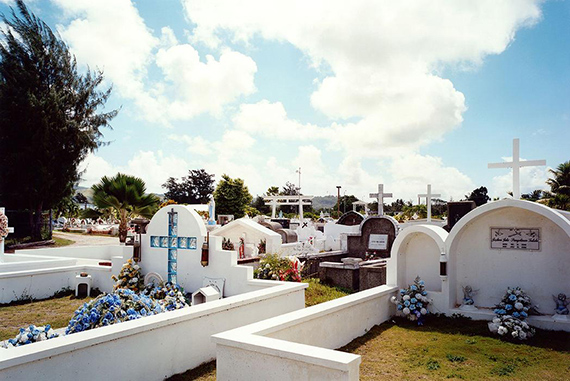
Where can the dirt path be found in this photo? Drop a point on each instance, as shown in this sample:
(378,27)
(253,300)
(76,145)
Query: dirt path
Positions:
(87,240)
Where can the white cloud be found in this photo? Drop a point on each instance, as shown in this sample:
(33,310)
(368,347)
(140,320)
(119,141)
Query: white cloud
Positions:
(111,35)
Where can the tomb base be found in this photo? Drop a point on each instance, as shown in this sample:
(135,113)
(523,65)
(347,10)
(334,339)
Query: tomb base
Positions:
(468,307)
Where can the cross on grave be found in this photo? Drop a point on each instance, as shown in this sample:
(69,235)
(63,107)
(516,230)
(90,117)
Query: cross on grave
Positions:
(380,198)
(10,229)
(172,242)
(516,165)
(273,203)
(428,197)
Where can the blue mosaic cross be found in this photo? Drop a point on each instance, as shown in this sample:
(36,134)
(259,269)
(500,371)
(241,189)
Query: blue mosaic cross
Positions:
(172,242)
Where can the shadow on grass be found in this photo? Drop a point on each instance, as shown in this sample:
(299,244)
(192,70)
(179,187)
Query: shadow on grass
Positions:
(204,372)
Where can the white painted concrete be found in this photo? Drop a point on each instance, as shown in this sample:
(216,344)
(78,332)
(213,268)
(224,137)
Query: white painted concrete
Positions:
(253,231)
(150,348)
(299,345)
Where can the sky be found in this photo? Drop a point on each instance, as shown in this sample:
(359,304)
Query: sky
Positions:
(356,93)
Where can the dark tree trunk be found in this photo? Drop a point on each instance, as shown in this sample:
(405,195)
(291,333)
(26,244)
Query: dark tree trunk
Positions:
(36,222)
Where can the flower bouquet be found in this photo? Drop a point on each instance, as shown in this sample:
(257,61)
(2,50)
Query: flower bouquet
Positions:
(130,277)
(106,309)
(273,267)
(413,301)
(169,296)
(30,335)
(511,313)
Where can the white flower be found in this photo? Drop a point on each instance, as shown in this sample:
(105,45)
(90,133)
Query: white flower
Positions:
(394,300)
(502,330)
(518,306)
(496,320)
(515,333)
(423,311)
(522,335)
(406,311)
(406,297)
(419,296)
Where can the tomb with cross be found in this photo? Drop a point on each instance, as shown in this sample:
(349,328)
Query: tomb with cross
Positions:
(428,197)
(175,237)
(380,198)
(299,200)
(5,229)
(516,165)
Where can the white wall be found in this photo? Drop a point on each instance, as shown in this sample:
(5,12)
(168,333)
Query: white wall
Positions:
(254,233)
(420,256)
(299,345)
(150,348)
(104,253)
(541,273)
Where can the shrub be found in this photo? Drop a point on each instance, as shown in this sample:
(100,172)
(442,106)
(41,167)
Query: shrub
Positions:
(274,267)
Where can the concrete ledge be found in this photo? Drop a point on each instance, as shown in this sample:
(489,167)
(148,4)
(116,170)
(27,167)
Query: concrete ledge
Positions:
(299,345)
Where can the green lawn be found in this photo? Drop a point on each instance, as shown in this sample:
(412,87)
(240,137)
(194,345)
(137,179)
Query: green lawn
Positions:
(56,311)
(448,348)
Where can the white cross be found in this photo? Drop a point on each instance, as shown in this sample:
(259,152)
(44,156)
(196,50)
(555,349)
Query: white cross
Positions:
(273,203)
(380,198)
(516,165)
(428,197)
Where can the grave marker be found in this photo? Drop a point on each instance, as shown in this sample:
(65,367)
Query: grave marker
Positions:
(516,165)
(428,197)
(380,198)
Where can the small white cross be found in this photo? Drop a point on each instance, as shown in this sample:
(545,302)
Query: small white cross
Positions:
(380,198)
(428,197)
(273,203)
(516,165)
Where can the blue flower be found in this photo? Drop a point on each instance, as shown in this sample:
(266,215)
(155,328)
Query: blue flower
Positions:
(419,304)
(407,303)
(424,293)
(512,297)
(399,307)
(524,314)
(516,314)
(508,307)
(421,282)
(402,291)
(413,300)
(413,287)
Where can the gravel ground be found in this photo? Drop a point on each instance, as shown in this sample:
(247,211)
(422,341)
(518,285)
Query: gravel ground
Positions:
(87,240)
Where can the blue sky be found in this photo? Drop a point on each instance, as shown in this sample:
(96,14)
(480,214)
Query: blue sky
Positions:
(356,94)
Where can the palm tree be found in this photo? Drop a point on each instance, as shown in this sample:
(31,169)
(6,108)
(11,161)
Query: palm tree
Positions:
(126,196)
(559,195)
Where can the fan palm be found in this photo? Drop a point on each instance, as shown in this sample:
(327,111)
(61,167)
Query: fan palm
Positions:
(126,196)
(559,195)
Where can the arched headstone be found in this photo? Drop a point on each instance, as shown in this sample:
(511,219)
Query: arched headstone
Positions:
(376,236)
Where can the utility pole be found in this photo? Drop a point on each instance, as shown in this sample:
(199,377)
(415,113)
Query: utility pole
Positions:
(338,198)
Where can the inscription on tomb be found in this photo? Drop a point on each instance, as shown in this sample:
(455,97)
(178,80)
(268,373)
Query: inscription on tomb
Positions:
(378,242)
(515,238)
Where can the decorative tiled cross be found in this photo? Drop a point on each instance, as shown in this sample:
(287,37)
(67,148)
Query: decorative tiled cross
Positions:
(428,197)
(380,197)
(10,230)
(172,242)
(516,165)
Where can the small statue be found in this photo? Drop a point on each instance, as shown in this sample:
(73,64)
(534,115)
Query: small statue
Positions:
(561,304)
(468,293)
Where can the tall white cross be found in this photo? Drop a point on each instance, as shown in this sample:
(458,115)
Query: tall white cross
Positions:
(428,197)
(380,198)
(10,230)
(273,203)
(516,165)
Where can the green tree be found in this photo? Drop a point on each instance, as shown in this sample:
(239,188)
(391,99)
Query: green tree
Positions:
(49,118)
(535,195)
(559,195)
(345,203)
(232,197)
(478,195)
(126,195)
(196,188)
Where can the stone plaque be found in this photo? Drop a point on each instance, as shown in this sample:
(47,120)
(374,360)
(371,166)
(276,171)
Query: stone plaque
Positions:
(515,238)
(378,242)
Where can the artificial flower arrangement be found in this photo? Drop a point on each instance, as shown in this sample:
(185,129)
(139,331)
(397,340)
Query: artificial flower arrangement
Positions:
(274,267)
(170,296)
(3,226)
(511,313)
(130,277)
(30,335)
(413,301)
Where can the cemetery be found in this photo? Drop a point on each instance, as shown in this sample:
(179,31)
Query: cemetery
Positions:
(198,271)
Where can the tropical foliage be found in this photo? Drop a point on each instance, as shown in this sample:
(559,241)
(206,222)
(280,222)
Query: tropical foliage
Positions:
(126,196)
(559,195)
(49,116)
(232,197)
(196,188)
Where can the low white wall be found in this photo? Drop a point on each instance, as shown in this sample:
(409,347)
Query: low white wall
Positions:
(43,283)
(299,345)
(83,252)
(150,348)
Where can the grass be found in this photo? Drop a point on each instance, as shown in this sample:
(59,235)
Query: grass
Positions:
(56,311)
(447,348)
(60,242)
(319,293)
